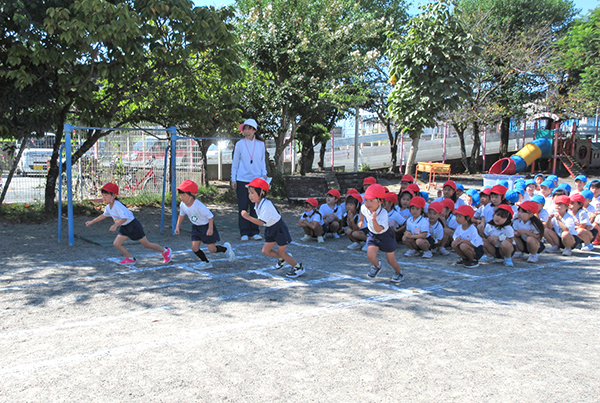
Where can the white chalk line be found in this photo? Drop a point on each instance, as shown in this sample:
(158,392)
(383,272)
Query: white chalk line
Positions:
(210,332)
(83,323)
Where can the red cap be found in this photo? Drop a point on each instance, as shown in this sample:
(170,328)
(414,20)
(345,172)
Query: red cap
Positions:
(259,183)
(375,191)
(334,193)
(452,184)
(351,190)
(414,187)
(391,197)
(530,206)
(578,197)
(188,186)
(499,190)
(562,199)
(407,178)
(437,207)
(448,203)
(369,180)
(418,202)
(356,196)
(486,191)
(506,207)
(465,210)
(111,188)
(409,191)
(313,202)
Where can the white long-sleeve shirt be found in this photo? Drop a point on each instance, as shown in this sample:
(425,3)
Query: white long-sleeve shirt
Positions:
(248,161)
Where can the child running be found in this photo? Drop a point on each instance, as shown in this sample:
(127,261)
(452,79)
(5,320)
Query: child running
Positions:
(276,231)
(130,227)
(380,234)
(528,231)
(467,242)
(499,234)
(203,226)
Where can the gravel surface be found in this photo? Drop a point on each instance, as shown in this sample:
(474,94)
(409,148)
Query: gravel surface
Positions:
(77,326)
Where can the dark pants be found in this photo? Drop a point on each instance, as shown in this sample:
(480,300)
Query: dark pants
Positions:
(246,227)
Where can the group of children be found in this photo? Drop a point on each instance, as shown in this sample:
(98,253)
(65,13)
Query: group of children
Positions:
(493,223)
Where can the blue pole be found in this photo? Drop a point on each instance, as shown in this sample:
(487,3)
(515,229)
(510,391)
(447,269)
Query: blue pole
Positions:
(164,190)
(68,130)
(173,182)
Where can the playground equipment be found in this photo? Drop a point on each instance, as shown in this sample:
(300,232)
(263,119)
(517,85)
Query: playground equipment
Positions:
(540,148)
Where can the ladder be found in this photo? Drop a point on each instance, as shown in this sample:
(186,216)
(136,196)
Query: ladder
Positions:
(573,167)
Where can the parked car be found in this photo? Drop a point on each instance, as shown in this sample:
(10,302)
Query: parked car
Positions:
(36,156)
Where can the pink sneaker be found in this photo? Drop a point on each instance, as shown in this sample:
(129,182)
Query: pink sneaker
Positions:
(128,260)
(167,255)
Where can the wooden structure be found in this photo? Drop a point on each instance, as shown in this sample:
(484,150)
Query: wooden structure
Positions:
(300,188)
(433,169)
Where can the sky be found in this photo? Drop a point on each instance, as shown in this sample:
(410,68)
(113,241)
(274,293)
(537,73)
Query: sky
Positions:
(584,5)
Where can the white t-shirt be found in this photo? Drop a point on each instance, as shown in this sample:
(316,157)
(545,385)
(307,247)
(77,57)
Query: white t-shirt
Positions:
(451,221)
(436,231)
(337,210)
(267,213)
(395,219)
(491,230)
(382,219)
(568,220)
(527,226)
(198,213)
(581,218)
(479,211)
(312,216)
(470,233)
(118,212)
(418,226)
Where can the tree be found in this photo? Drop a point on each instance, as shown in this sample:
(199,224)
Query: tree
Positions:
(100,58)
(430,71)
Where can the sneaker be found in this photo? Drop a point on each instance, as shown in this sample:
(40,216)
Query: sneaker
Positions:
(472,264)
(533,258)
(397,278)
(517,254)
(553,249)
(596,242)
(354,246)
(460,262)
(508,262)
(229,253)
(427,254)
(587,248)
(295,271)
(411,253)
(306,238)
(167,255)
(443,251)
(245,238)
(486,259)
(566,252)
(203,265)
(374,271)
(320,239)
(280,264)
(336,235)
(128,260)
(256,237)
(365,248)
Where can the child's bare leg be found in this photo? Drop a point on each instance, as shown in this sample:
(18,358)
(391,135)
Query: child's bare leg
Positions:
(468,250)
(568,240)
(488,248)
(391,259)
(196,246)
(360,236)
(212,248)
(423,244)
(533,245)
(267,250)
(150,245)
(585,236)
(506,248)
(334,227)
(457,248)
(520,245)
(118,243)
(551,237)
(409,243)
(372,255)
(316,228)
(286,256)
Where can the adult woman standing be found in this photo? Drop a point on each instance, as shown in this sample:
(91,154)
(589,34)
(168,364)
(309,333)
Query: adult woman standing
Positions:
(248,164)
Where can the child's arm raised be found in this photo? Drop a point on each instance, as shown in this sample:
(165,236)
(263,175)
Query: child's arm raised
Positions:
(95,220)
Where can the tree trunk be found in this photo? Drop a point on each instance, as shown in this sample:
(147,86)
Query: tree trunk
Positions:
(11,173)
(460,132)
(475,149)
(393,137)
(321,154)
(504,133)
(412,155)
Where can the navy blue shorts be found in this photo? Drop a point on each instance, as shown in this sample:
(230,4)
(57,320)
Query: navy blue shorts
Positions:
(498,254)
(278,233)
(199,234)
(478,252)
(540,249)
(594,232)
(386,242)
(133,230)
(578,243)
(431,242)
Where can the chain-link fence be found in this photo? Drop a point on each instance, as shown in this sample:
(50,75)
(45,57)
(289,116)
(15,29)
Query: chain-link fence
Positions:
(134,160)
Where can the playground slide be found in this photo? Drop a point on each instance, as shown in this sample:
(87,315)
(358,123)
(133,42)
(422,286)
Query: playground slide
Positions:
(540,148)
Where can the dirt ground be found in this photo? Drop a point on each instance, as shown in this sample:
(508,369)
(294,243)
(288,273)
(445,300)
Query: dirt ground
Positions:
(77,326)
